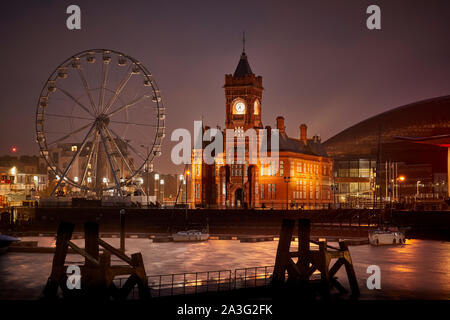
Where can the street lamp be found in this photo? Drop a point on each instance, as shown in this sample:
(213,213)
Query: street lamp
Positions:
(400,179)
(156,186)
(161,182)
(181,186)
(417,187)
(287,180)
(187,186)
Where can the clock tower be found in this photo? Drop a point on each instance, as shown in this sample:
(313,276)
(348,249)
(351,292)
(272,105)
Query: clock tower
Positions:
(243,94)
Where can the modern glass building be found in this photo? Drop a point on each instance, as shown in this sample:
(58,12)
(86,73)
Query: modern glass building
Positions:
(405,169)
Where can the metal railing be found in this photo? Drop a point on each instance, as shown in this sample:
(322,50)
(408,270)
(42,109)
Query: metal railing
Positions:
(206,281)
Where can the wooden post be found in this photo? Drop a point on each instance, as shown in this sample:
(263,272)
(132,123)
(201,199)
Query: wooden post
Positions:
(91,241)
(142,281)
(304,231)
(122,230)
(349,269)
(106,273)
(324,262)
(57,275)
(283,256)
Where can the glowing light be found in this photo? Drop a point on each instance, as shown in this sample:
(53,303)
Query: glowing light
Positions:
(156,176)
(401,178)
(105,180)
(13,170)
(35,178)
(188,172)
(14,149)
(161,181)
(89,180)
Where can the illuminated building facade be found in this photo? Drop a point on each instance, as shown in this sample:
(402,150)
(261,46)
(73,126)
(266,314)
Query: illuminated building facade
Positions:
(300,178)
(406,169)
(20,179)
(63,153)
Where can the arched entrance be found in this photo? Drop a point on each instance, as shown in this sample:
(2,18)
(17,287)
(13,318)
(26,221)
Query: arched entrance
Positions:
(238,197)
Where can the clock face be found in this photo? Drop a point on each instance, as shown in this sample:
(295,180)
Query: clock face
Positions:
(239,108)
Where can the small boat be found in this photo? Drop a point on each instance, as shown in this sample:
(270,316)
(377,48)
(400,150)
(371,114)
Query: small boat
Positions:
(385,236)
(5,242)
(191,235)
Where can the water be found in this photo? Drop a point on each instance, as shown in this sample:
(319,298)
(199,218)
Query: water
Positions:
(417,270)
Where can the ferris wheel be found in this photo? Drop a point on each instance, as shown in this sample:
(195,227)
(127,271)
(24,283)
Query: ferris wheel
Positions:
(100,122)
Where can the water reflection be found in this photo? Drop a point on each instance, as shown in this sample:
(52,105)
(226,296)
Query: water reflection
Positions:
(419,269)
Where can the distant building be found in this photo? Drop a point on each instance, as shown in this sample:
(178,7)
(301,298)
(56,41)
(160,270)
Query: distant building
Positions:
(405,169)
(20,179)
(82,172)
(302,177)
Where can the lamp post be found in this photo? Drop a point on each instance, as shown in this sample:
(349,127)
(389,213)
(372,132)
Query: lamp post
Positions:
(161,182)
(187,187)
(156,186)
(180,187)
(287,180)
(401,179)
(122,229)
(417,187)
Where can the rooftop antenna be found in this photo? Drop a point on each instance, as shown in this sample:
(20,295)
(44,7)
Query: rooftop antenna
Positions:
(243,42)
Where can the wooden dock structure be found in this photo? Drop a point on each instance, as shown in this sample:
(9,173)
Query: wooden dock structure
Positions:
(308,261)
(97,274)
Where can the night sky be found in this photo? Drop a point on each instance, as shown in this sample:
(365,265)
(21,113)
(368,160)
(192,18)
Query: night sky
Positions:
(320,64)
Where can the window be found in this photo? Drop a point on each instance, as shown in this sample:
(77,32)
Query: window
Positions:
(271,191)
(197,191)
(273,169)
(262,190)
(310,189)
(281,168)
(74,148)
(344,188)
(292,168)
(300,195)
(353,187)
(197,170)
(299,167)
(55,157)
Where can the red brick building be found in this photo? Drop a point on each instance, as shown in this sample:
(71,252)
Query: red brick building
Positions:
(301,178)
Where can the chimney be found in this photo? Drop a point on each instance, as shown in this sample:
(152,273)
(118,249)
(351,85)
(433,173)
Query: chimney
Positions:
(280,125)
(303,136)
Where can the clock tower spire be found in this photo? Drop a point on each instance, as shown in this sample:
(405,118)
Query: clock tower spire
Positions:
(243,94)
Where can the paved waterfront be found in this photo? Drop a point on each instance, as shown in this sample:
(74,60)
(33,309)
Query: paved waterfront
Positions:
(417,270)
